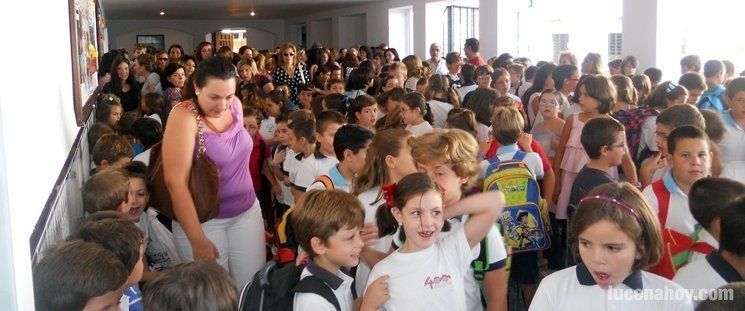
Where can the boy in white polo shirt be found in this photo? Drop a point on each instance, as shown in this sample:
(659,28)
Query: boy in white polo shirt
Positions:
(690,160)
(733,143)
(708,199)
(327,123)
(723,267)
(350,146)
(303,144)
(327,225)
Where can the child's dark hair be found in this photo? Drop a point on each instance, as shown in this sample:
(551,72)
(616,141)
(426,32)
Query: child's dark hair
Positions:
(666,91)
(127,120)
(96,131)
(441,84)
(336,81)
(359,79)
(683,132)
(732,237)
(462,118)
(680,115)
(357,105)
(249,111)
(531,71)
(415,100)
(196,285)
(734,86)
(353,137)
(693,61)
(601,89)
(408,187)
(395,94)
(337,102)
(152,103)
(328,117)
(103,109)
(710,196)
(112,147)
(714,124)
(322,213)
(693,81)
(136,169)
(468,74)
(120,236)
(281,97)
(562,73)
(316,105)
(105,191)
(148,131)
(74,272)
(654,74)
(304,128)
(715,303)
(713,67)
(482,102)
(643,86)
(599,133)
(622,204)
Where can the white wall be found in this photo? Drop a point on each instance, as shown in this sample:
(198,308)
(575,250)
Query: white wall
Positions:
(128,40)
(352,30)
(263,34)
(320,31)
(38,128)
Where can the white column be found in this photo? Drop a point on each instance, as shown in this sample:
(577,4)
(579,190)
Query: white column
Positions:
(421,48)
(640,31)
(488,27)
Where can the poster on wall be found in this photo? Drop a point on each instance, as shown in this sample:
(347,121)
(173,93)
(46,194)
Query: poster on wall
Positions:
(102,31)
(84,46)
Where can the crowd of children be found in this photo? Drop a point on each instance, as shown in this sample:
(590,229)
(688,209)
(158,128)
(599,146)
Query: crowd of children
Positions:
(448,183)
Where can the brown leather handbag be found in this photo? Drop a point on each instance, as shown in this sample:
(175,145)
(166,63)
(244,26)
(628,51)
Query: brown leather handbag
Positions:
(204,180)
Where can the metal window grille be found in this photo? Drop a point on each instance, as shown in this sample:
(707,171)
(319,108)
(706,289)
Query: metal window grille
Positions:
(615,41)
(460,24)
(561,43)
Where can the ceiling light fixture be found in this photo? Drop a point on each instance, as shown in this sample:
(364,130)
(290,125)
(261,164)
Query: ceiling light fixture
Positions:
(252,13)
(162,13)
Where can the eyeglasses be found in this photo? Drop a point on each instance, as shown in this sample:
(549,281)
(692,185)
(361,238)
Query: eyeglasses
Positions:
(621,145)
(288,54)
(163,58)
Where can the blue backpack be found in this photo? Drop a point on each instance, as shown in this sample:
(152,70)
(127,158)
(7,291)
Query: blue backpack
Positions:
(712,100)
(524,219)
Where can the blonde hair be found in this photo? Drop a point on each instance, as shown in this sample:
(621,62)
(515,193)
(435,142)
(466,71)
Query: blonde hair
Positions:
(413,65)
(507,125)
(322,213)
(389,142)
(251,66)
(453,147)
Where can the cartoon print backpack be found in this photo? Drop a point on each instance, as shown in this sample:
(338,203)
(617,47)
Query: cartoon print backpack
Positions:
(525,218)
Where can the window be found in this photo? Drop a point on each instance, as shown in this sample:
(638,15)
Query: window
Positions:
(614,46)
(561,43)
(460,24)
(401,30)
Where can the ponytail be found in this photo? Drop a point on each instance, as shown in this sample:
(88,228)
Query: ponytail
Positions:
(387,224)
(415,100)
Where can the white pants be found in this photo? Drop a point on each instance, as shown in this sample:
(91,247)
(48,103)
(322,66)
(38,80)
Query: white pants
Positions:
(240,241)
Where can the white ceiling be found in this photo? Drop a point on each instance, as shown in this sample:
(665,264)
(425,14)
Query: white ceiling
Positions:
(220,9)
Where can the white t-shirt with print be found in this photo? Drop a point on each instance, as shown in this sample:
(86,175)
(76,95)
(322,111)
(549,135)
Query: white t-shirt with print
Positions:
(430,279)
(370,202)
(420,129)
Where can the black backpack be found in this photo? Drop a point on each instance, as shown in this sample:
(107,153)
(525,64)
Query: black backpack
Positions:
(273,288)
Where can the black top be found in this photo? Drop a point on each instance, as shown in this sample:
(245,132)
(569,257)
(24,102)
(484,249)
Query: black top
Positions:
(130,99)
(301,76)
(587,179)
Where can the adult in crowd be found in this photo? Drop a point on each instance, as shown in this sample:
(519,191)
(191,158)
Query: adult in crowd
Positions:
(471,48)
(144,66)
(289,71)
(174,79)
(123,84)
(248,73)
(190,64)
(203,51)
(436,63)
(235,238)
(161,60)
(175,52)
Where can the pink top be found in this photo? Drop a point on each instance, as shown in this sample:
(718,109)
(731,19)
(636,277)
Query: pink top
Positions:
(575,156)
(231,151)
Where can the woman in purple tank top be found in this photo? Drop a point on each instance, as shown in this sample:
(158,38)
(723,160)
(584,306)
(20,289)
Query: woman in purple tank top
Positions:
(236,237)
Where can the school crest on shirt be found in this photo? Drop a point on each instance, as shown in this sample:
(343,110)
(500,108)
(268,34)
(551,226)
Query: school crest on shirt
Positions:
(438,281)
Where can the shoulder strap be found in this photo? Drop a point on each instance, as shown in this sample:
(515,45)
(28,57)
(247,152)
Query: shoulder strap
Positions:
(663,201)
(326,181)
(314,285)
(519,155)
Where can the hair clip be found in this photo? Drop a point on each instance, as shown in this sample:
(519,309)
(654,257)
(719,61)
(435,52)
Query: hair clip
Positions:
(614,201)
(671,86)
(389,194)
(426,106)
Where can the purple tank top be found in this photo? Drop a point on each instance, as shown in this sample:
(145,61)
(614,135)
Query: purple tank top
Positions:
(231,151)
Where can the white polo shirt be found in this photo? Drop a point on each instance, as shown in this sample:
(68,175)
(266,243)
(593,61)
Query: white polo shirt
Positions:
(440,111)
(532,160)
(336,179)
(679,217)
(575,289)
(311,168)
(732,145)
(420,129)
(704,237)
(292,165)
(430,279)
(483,132)
(371,199)
(734,170)
(707,275)
(340,283)
(494,248)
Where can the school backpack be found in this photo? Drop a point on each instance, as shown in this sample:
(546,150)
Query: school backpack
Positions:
(273,288)
(712,100)
(326,181)
(632,120)
(524,219)
(677,247)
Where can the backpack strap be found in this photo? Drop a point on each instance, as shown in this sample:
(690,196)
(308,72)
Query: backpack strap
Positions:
(519,156)
(663,201)
(480,265)
(313,285)
(326,181)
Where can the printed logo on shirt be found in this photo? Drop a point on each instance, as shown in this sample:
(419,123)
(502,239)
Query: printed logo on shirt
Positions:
(438,281)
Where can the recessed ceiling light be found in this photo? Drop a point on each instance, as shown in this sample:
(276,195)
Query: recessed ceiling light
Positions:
(162,13)
(252,13)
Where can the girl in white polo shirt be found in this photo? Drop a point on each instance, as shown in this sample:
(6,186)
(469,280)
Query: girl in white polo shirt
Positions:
(427,273)
(613,235)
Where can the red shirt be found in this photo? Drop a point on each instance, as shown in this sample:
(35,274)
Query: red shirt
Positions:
(477,61)
(259,154)
(533,145)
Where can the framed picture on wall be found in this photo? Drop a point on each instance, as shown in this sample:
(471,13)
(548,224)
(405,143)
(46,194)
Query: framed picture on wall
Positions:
(156,41)
(83,36)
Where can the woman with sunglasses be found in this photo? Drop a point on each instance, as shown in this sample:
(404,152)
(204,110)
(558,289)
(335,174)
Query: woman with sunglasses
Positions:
(290,71)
